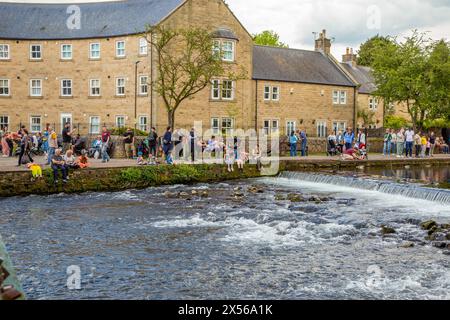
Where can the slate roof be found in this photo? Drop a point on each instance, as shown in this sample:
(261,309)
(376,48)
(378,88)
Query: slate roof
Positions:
(101,19)
(224,34)
(364,77)
(293,65)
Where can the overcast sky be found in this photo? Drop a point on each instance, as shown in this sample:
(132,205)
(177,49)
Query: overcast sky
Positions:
(349,22)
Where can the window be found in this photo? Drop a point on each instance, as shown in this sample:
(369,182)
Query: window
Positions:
(66,88)
(94,87)
(373,104)
(94,125)
(321,129)
(270,126)
(227,126)
(120,121)
(120,49)
(36,123)
(343,97)
(66,51)
(216,49)
(36,87)
(35,52)
(215,127)
(339,126)
(271,93)
(290,126)
(94,51)
(143,123)
(4,87)
(222,89)
(339,97)
(266,92)
(227,90)
(4,51)
(120,86)
(143,46)
(4,122)
(143,85)
(275,93)
(228,50)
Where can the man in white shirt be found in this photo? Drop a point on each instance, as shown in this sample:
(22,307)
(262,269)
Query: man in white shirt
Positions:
(409,138)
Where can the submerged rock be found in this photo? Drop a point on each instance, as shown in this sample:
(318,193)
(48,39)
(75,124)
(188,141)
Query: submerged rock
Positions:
(408,245)
(280,197)
(428,225)
(255,189)
(205,194)
(194,192)
(387,230)
(170,195)
(292,197)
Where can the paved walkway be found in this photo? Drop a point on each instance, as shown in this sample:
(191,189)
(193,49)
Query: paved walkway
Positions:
(10,164)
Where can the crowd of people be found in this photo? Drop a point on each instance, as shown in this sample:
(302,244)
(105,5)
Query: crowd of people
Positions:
(407,143)
(349,145)
(296,138)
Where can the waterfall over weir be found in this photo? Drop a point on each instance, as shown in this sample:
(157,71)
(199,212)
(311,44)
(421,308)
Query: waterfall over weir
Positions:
(410,190)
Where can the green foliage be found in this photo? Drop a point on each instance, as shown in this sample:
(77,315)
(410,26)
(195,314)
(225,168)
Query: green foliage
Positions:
(395,122)
(122,130)
(183,173)
(367,116)
(269,38)
(130,175)
(436,123)
(366,51)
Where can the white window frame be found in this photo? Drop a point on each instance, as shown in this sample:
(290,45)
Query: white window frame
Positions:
(291,125)
(120,86)
(269,126)
(215,125)
(91,125)
(69,88)
(91,50)
(215,89)
(34,125)
(216,48)
(226,50)
(322,128)
(343,97)
(34,87)
(4,81)
(94,87)
(226,90)
(267,94)
(118,50)
(4,51)
(143,47)
(143,85)
(227,130)
(118,124)
(4,123)
(336,97)
(275,96)
(35,51)
(143,126)
(339,125)
(64,46)
(373,103)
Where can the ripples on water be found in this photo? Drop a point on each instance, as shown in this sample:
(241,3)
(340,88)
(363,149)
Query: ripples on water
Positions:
(140,245)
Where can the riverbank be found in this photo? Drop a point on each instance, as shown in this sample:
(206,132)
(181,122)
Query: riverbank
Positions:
(125,174)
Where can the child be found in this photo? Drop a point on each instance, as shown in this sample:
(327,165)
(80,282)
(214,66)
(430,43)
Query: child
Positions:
(427,150)
(242,158)
(229,159)
(36,170)
(151,160)
(140,159)
(83,161)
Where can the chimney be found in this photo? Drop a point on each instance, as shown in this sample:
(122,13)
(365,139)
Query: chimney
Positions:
(323,44)
(349,57)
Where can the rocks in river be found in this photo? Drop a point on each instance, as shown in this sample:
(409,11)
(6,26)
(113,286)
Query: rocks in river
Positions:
(292,197)
(238,194)
(170,195)
(441,245)
(387,230)
(407,245)
(428,225)
(447,236)
(194,192)
(280,197)
(205,194)
(255,189)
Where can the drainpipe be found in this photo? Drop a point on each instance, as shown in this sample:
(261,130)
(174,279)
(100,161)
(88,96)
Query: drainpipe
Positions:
(354,108)
(256,107)
(151,84)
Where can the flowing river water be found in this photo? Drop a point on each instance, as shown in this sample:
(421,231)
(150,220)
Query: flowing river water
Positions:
(145,245)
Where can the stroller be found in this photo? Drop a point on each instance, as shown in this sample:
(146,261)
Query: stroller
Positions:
(362,150)
(332,149)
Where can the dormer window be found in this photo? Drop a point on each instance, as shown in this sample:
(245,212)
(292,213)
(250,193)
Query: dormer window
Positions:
(228,50)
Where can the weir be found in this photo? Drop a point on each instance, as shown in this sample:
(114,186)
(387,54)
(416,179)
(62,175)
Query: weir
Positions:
(410,191)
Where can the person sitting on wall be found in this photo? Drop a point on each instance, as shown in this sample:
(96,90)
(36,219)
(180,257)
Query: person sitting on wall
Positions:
(58,164)
(36,170)
(83,160)
(70,160)
(352,154)
(96,148)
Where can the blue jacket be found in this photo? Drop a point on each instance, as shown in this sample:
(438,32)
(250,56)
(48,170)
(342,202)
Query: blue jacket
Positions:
(293,139)
(348,138)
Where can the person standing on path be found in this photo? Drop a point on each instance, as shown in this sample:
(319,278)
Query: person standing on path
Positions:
(25,148)
(349,137)
(168,145)
(387,143)
(67,137)
(130,151)
(293,140)
(153,142)
(409,138)
(106,139)
(432,144)
(400,143)
(52,144)
(192,143)
(304,139)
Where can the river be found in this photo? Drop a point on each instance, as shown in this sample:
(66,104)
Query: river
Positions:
(143,245)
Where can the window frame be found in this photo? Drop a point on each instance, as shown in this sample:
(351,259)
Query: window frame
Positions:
(91,124)
(267,93)
(8,87)
(272,96)
(288,129)
(69,45)
(117,87)
(143,127)
(337,124)
(141,85)
(6,54)
(373,104)
(226,90)
(124,49)
(32,117)
(4,124)
(324,127)
(32,51)
(33,87)
(227,50)
(215,128)
(91,51)
(91,87)
(141,41)
(215,90)
(117,124)
(343,97)
(224,129)
(66,88)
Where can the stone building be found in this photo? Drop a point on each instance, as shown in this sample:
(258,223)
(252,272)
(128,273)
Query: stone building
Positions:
(89,65)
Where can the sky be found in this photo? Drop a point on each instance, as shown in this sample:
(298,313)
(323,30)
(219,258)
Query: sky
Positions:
(348,22)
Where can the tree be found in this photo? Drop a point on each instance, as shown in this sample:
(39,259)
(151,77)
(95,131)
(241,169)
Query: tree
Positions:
(186,64)
(269,38)
(365,53)
(366,116)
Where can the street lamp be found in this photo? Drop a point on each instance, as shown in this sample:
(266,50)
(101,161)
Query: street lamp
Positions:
(135,92)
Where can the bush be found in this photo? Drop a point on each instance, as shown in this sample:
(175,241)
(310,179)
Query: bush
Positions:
(436,123)
(121,131)
(395,122)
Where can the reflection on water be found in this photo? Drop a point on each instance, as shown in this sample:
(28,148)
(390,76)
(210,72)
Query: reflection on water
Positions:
(142,245)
